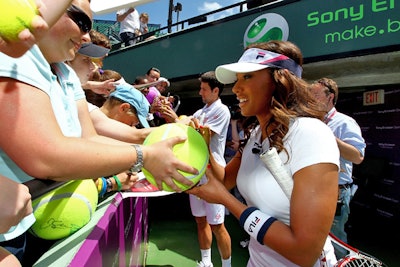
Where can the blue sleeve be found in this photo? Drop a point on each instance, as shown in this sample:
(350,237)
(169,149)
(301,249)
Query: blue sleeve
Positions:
(31,68)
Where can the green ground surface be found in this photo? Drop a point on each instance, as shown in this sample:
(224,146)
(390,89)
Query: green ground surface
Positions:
(173,238)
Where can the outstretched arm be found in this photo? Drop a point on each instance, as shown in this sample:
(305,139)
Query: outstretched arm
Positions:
(34,141)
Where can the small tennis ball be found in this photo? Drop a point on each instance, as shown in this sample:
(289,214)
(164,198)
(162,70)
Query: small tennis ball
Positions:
(64,210)
(15,16)
(193,151)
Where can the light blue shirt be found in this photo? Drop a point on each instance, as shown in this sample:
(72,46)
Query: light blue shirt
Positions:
(346,129)
(32,68)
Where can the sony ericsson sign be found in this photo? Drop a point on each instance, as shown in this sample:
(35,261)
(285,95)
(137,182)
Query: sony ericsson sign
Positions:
(329,26)
(266,27)
(362,20)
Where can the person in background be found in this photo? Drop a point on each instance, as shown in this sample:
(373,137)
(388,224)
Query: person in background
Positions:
(83,60)
(142,84)
(83,65)
(235,133)
(351,146)
(210,217)
(105,86)
(100,39)
(127,105)
(129,25)
(285,230)
(144,20)
(98,97)
(152,75)
(234,138)
(154,92)
(51,135)
(158,101)
(104,125)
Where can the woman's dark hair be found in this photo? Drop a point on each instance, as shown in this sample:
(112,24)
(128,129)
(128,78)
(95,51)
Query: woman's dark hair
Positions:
(153,69)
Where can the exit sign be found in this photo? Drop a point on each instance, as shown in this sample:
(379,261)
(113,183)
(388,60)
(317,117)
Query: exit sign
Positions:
(374,97)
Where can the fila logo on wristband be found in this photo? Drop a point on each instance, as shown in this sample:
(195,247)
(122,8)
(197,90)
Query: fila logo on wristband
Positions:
(256,223)
(253,224)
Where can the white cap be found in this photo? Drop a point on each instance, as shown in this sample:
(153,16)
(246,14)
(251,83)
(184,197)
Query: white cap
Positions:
(162,79)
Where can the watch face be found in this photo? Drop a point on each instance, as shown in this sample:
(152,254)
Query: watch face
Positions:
(137,167)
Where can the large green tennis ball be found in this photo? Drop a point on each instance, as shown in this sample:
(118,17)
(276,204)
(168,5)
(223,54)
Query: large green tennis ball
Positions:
(193,151)
(64,210)
(15,16)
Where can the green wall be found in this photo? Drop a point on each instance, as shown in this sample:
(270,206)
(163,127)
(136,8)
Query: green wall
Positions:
(321,28)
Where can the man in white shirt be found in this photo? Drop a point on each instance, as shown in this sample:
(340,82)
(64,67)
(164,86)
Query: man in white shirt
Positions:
(210,217)
(130,25)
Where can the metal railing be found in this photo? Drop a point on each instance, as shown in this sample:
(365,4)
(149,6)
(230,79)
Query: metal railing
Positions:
(178,26)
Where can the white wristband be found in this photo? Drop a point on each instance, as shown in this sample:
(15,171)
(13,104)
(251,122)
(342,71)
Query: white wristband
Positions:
(256,223)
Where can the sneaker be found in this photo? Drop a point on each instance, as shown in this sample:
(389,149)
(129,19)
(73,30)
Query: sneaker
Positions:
(201,264)
(244,243)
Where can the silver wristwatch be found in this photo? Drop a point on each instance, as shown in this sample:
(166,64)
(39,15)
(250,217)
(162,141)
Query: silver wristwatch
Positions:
(137,167)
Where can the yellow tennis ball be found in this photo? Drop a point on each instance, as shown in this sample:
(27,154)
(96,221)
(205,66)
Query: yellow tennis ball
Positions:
(193,151)
(15,16)
(64,210)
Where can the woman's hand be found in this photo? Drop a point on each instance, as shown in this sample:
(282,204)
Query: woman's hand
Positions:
(213,191)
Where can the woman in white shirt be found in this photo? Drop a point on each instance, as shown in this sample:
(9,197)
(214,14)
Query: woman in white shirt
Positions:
(282,114)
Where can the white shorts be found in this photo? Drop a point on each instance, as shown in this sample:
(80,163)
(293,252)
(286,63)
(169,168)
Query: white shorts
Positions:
(215,213)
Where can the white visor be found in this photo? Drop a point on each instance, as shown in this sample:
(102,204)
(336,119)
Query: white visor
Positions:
(255,59)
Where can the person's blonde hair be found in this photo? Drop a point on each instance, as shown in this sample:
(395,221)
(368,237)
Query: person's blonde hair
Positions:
(145,16)
(99,39)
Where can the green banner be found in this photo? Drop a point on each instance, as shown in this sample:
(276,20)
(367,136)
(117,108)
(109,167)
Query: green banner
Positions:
(320,28)
(335,26)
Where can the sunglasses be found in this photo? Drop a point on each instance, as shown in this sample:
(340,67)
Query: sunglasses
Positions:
(80,18)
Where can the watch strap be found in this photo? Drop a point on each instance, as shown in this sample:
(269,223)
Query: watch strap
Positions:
(139,159)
